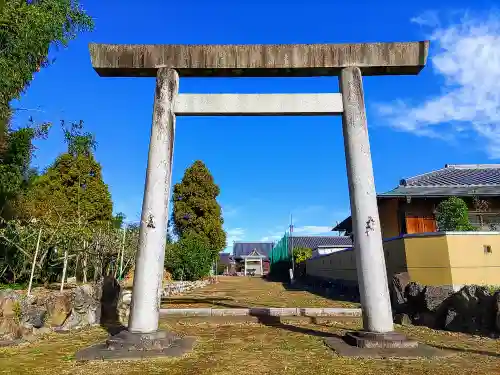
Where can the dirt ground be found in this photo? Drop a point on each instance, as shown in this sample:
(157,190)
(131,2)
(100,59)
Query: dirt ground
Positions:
(250,292)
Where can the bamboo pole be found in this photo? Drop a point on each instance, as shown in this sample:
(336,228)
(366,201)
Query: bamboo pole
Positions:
(65,266)
(121,257)
(85,261)
(34,261)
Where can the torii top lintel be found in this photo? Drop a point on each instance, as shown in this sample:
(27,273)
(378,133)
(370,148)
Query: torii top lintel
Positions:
(260,60)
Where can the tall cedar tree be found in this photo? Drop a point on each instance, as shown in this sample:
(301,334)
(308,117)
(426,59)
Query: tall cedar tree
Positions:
(196,209)
(72,189)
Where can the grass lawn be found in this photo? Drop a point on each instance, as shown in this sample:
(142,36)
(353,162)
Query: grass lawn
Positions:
(253,348)
(250,348)
(250,292)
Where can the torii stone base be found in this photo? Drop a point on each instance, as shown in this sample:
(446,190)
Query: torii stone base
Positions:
(392,345)
(136,346)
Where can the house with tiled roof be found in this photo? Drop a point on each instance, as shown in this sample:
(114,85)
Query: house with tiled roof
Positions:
(320,245)
(410,207)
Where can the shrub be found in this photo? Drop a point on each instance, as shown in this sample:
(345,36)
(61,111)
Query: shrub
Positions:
(190,258)
(452,215)
(301,254)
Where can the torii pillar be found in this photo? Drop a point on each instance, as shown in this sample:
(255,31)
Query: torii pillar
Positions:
(348,61)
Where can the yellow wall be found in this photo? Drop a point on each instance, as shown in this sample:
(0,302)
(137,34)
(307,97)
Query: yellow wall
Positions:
(451,258)
(336,266)
(427,259)
(470,264)
(395,257)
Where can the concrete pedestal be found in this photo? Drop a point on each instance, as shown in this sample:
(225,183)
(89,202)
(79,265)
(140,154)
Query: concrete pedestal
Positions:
(129,346)
(397,346)
(371,340)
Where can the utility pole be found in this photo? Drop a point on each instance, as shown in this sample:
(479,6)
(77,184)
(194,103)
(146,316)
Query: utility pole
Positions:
(291,247)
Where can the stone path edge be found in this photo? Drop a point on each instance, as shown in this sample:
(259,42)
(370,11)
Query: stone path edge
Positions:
(264,311)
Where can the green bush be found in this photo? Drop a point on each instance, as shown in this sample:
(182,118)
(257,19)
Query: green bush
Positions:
(301,254)
(452,214)
(493,288)
(190,259)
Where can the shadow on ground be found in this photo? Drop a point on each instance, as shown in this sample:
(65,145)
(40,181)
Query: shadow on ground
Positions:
(466,350)
(326,289)
(275,321)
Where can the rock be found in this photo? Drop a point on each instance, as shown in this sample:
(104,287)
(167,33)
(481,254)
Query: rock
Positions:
(126,297)
(109,301)
(496,301)
(414,297)
(434,296)
(397,290)
(425,318)
(58,307)
(9,329)
(35,317)
(9,308)
(86,309)
(451,322)
(403,319)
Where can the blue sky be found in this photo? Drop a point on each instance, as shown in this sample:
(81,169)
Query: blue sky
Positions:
(268,168)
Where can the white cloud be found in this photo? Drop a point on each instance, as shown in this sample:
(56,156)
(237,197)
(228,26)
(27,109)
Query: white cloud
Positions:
(312,230)
(307,230)
(466,56)
(235,234)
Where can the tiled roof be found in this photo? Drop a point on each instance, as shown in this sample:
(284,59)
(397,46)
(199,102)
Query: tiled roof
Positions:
(245,248)
(345,225)
(225,258)
(452,180)
(312,242)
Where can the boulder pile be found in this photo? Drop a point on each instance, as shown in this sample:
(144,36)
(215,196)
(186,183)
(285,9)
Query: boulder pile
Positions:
(86,305)
(472,309)
(101,303)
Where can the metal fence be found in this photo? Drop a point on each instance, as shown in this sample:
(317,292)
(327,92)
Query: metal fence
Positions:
(280,251)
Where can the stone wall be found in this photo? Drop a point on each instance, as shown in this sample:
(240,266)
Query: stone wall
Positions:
(472,309)
(102,303)
(171,289)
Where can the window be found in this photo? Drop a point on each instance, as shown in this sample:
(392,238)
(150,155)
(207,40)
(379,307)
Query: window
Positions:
(487,249)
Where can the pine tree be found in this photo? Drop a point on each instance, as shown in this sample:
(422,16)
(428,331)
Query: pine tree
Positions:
(196,210)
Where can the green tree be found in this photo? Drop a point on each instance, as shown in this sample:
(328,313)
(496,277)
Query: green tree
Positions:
(190,258)
(301,254)
(118,220)
(16,175)
(72,187)
(27,31)
(452,215)
(196,210)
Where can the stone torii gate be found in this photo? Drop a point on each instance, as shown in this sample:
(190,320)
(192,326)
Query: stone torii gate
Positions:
(348,61)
